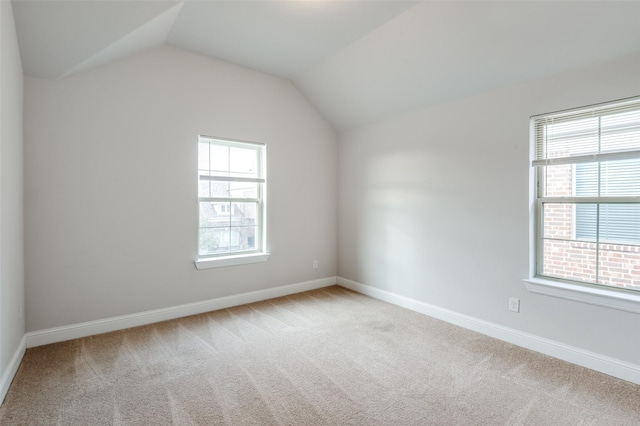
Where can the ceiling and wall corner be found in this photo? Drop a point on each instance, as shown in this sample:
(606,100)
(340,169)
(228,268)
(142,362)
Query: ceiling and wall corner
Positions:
(356,61)
(150,34)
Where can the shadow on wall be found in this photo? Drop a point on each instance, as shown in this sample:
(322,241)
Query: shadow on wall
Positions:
(397,204)
(430,221)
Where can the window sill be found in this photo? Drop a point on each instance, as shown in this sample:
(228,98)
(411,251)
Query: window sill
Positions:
(219,262)
(623,301)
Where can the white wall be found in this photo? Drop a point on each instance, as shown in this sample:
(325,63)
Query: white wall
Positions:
(110,185)
(434,206)
(11,205)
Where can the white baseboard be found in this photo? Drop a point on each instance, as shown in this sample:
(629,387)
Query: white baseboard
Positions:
(12,369)
(604,364)
(90,328)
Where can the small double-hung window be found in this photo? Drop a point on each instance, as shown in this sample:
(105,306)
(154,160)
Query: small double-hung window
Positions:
(231,188)
(587,166)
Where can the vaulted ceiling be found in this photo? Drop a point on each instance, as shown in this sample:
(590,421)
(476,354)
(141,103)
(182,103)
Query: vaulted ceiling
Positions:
(356,61)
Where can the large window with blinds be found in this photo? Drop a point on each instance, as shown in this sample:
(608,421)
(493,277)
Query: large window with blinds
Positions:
(231,188)
(587,167)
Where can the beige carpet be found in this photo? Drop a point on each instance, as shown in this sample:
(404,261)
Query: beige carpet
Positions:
(328,356)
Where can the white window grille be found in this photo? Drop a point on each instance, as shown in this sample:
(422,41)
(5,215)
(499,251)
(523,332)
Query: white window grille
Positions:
(231,188)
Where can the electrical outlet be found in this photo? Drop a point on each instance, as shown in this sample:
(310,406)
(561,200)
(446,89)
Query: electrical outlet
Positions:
(514,304)
(315,264)
(20,313)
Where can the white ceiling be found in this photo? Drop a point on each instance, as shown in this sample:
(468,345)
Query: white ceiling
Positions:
(356,61)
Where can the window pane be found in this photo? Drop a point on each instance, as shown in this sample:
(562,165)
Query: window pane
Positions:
(558,220)
(216,189)
(586,222)
(571,260)
(243,190)
(558,181)
(219,159)
(571,138)
(219,189)
(620,223)
(587,180)
(244,162)
(243,238)
(203,157)
(619,266)
(621,131)
(204,188)
(214,215)
(620,178)
(243,214)
(213,160)
(213,241)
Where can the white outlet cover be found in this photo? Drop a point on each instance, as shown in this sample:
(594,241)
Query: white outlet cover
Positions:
(514,304)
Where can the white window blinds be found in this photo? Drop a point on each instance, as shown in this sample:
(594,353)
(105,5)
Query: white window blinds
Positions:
(600,133)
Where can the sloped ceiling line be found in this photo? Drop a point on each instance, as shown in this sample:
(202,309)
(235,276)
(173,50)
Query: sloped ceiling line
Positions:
(150,34)
(355,61)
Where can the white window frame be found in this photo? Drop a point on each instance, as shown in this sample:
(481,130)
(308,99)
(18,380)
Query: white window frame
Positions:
(240,257)
(611,297)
